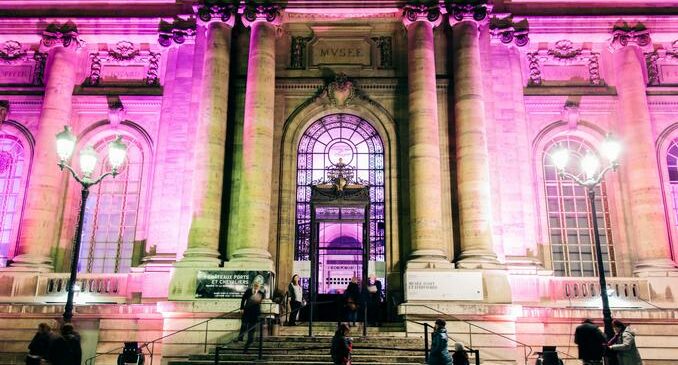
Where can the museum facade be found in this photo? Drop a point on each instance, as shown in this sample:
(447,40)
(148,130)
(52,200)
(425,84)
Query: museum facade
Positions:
(410,140)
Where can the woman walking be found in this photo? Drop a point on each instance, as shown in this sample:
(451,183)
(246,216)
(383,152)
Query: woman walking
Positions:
(623,344)
(439,355)
(341,346)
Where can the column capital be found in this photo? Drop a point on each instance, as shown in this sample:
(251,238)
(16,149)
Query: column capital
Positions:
(624,35)
(507,30)
(475,11)
(253,13)
(177,31)
(60,35)
(422,13)
(210,11)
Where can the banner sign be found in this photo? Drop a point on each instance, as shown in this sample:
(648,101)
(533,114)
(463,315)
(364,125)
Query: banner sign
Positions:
(221,284)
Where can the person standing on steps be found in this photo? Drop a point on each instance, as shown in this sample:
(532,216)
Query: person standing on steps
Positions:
(375,293)
(65,349)
(459,357)
(591,343)
(351,301)
(38,349)
(250,306)
(439,354)
(342,345)
(295,292)
(623,344)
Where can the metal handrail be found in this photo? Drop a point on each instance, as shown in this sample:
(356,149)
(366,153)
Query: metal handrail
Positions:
(150,350)
(526,347)
(476,352)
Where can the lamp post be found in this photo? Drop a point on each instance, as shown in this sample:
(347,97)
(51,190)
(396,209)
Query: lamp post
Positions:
(65,144)
(590,164)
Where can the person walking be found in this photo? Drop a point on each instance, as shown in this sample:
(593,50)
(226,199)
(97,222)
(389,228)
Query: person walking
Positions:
(38,349)
(623,344)
(65,349)
(342,345)
(250,306)
(591,343)
(351,301)
(375,299)
(459,357)
(439,354)
(295,292)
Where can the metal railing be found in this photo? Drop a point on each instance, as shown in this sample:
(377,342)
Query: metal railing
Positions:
(467,349)
(150,345)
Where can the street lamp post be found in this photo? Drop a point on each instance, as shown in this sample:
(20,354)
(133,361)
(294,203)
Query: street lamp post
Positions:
(65,144)
(590,164)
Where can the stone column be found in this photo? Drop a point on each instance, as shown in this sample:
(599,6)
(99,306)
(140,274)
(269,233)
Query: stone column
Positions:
(424,142)
(257,165)
(649,233)
(210,145)
(41,215)
(473,172)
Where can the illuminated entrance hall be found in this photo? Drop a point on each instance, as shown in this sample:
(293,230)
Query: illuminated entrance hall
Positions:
(417,141)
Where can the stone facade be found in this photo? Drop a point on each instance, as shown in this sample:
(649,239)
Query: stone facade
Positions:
(467,97)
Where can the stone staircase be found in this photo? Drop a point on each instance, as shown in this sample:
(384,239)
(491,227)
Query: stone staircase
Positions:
(383,345)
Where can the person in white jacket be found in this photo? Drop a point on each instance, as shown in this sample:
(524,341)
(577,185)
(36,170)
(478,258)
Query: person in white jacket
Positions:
(623,344)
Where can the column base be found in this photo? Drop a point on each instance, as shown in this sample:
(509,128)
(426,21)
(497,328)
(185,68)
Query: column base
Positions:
(660,267)
(199,257)
(159,262)
(479,259)
(250,259)
(31,263)
(428,259)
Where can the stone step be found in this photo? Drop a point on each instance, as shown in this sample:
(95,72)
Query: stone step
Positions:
(327,362)
(324,356)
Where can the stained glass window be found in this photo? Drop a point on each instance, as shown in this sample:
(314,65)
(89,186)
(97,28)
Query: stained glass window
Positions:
(357,144)
(111,214)
(569,217)
(13,167)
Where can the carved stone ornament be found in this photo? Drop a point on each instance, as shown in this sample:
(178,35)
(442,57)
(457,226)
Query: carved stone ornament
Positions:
(177,31)
(507,31)
(298,52)
(465,10)
(624,35)
(217,10)
(385,45)
(658,59)
(422,12)
(563,53)
(61,35)
(116,111)
(4,110)
(30,64)
(260,13)
(341,91)
(124,57)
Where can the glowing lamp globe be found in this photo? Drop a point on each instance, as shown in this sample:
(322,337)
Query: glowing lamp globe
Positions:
(88,160)
(117,152)
(65,144)
(560,157)
(590,164)
(611,149)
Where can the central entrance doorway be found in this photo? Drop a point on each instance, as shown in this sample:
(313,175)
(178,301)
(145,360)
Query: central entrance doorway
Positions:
(340,240)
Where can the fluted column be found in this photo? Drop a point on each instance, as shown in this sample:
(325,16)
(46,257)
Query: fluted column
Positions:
(473,172)
(41,215)
(203,237)
(257,166)
(649,232)
(424,143)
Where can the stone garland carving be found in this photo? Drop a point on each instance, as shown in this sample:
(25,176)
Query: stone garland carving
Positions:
(385,45)
(13,53)
(468,9)
(657,57)
(508,31)
(178,31)
(563,53)
(124,53)
(298,52)
(223,10)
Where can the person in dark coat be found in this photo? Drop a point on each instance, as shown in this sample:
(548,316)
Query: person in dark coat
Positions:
(352,301)
(439,354)
(342,346)
(65,349)
(38,349)
(623,344)
(250,306)
(591,343)
(296,299)
(375,298)
(459,357)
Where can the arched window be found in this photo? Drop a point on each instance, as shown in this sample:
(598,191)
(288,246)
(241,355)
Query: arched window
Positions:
(112,213)
(569,217)
(672,169)
(13,172)
(357,143)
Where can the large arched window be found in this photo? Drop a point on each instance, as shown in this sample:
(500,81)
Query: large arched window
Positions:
(357,144)
(112,213)
(569,217)
(672,174)
(13,172)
